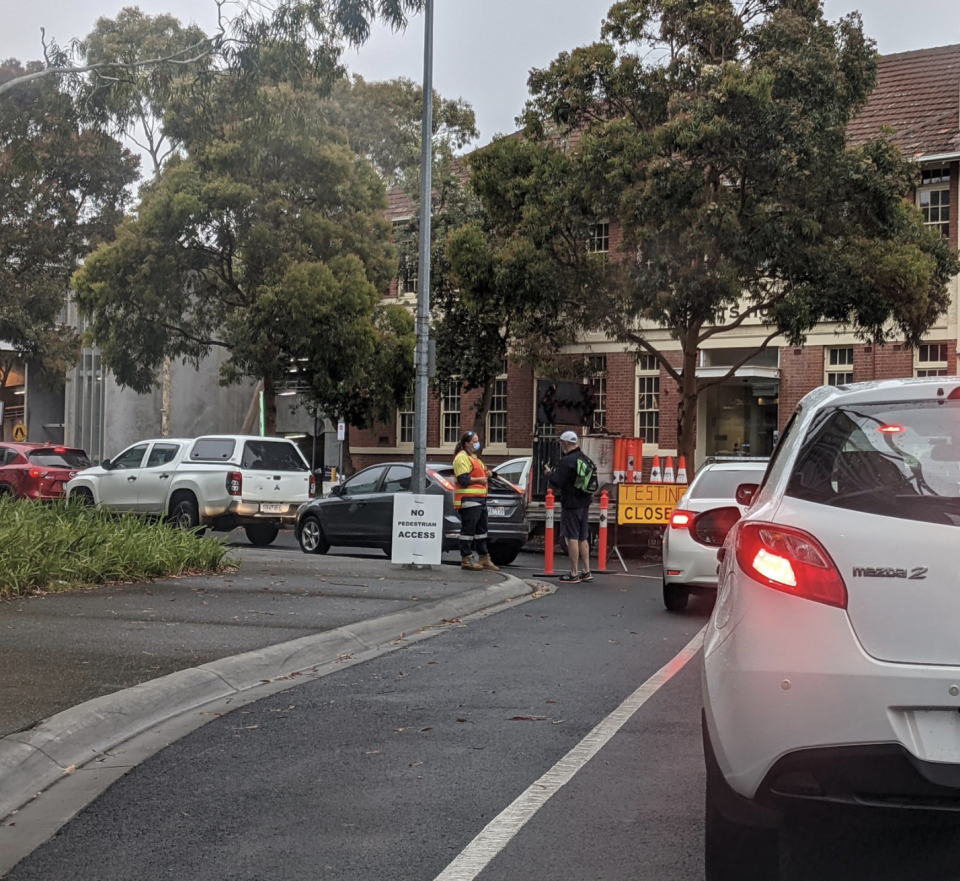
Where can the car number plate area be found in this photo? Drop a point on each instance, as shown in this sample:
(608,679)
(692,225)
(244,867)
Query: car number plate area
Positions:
(498,511)
(931,735)
(271,509)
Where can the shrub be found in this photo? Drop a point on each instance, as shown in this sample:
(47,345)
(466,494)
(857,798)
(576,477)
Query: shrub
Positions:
(60,546)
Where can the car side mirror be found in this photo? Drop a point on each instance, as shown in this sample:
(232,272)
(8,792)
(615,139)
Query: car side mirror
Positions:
(746,493)
(336,490)
(711,528)
(106,465)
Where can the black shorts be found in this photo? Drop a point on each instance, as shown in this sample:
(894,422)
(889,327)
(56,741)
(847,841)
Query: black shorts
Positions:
(575,524)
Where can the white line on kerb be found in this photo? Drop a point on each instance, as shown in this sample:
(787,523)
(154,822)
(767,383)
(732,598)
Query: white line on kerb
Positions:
(498,832)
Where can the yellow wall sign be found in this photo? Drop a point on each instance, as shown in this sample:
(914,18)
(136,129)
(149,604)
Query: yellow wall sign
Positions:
(647,504)
(19,432)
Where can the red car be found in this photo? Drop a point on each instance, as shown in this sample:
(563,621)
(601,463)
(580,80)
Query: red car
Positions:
(38,471)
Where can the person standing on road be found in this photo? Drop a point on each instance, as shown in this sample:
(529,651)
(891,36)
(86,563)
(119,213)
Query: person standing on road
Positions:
(574,508)
(470,502)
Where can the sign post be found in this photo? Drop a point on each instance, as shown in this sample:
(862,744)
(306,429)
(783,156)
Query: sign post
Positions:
(417,538)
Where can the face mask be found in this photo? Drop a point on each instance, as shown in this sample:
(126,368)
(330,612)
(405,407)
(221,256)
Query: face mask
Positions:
(476,446)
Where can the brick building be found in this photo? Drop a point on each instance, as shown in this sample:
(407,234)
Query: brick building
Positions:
(916,96)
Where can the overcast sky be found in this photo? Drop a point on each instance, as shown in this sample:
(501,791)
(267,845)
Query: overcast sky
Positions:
(484,48)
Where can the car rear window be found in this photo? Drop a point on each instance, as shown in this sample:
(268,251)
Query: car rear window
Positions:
(272,456)
(897,460)
(59,458)
(722,484)
(212,449)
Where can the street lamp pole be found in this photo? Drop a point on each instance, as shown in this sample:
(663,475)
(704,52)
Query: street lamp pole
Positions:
(423,292)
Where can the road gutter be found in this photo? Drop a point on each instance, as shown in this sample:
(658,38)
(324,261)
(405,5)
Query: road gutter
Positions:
(51,772)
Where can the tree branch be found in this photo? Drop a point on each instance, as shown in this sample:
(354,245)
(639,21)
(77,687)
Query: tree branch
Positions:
(672,371)
(194,339)
(710,383)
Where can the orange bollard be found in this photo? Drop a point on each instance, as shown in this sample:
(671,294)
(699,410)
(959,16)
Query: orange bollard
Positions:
(601,567)
(548,537)
(619,460)
(632,460)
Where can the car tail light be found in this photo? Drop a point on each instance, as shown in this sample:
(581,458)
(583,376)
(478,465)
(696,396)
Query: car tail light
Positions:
(59,449)
(313,486)
(791,561)
(234,483)
(446,484)
(35,473)
(680,519)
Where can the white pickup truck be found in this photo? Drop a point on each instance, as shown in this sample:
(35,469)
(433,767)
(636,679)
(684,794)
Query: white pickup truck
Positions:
(221,482)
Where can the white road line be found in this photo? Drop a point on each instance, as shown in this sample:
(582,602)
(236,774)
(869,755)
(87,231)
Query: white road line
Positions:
(501,830)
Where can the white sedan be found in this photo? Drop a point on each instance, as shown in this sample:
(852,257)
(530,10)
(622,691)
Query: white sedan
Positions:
(831,671)
(689,567)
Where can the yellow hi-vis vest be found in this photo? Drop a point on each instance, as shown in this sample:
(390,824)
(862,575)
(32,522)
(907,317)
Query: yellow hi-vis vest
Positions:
(464,463)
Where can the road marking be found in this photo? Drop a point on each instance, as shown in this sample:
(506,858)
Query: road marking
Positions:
(501,830)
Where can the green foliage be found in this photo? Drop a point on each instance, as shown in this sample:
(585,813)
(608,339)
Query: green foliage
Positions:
(59,547)
(62,188)
(267,240)
(715,133)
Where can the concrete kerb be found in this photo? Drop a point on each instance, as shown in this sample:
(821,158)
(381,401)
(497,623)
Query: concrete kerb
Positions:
(34,760)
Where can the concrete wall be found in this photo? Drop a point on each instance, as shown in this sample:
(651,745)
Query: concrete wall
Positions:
(44,410)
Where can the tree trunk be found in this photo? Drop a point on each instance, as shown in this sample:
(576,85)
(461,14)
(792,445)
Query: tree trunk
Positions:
(348,468)
(687,409)
(269,406)
(165,399)
(480,415)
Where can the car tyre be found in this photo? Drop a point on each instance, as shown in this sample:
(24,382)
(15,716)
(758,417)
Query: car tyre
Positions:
(675,597)
(311,538)
(735,850)
(82,497)
(504,554)
(185,514)
(261,534)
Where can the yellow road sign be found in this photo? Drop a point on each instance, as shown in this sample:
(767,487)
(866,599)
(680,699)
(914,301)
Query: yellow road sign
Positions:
(647,504)
(19,432)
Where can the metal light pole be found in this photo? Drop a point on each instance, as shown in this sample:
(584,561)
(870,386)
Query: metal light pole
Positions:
(423,293)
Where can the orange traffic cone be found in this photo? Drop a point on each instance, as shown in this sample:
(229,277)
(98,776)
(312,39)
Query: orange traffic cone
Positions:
(655,475)
(682,471)
(668,471)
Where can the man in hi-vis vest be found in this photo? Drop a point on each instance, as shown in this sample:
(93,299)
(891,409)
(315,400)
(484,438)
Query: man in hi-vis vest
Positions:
(470,501)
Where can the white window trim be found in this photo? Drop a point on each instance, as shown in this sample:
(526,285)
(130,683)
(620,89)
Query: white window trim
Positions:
(930,367)
(593,238)
(499,447)
(641,372)
(837,369)
(444,444)
(402,445)
(943,187)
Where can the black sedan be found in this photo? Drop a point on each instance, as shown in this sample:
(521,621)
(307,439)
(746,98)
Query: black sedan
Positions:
(359,512)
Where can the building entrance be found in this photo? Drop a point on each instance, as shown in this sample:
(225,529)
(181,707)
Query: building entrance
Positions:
(740,417)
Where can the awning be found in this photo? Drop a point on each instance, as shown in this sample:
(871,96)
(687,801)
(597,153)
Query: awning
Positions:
(749,371)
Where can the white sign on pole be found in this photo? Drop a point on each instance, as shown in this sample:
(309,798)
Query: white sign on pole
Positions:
(341,431)
(417,529)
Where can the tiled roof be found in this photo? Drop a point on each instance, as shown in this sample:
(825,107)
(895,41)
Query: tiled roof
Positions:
(399,205)
(917,95)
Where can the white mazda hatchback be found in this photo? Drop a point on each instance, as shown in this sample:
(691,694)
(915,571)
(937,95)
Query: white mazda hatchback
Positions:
(831,678)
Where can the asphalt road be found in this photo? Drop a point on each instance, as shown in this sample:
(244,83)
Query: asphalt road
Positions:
(391,768)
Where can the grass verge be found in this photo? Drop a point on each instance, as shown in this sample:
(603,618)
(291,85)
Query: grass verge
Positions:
(60,547)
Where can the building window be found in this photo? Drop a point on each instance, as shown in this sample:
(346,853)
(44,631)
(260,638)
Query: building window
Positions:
(450,412)
(408,279)
(931,360)
(596,372)
(648,399)
(838,369)
(405,421)
(933,197)
(497,414)
(600,238)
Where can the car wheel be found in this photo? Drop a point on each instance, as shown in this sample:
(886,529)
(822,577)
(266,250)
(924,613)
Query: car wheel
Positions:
(311,537)
(504,554)
(735,851)
(186,515)
(261,534)
(675,597)
(83,497)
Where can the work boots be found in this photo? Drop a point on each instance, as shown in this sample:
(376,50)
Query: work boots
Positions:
(469,564)
(487,563)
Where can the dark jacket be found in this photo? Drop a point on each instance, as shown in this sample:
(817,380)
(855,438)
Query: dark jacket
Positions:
(563,477)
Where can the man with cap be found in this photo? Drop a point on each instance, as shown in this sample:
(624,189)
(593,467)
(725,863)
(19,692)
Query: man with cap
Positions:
(574,508)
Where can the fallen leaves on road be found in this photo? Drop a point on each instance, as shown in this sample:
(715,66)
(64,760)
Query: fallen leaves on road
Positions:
(415,764)
(425,729)
(527,719)
(400,730)
(70,770)
(373,752)
(451,621)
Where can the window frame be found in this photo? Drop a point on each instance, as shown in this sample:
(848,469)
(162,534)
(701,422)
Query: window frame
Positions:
(924,365)
(935,181)
(445,395)
(599,241)
(832,372)
(503,379)
(597,374)
(648,370)
(408,409)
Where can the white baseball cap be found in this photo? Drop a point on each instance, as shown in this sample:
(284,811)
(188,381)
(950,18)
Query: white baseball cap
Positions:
(570,437)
